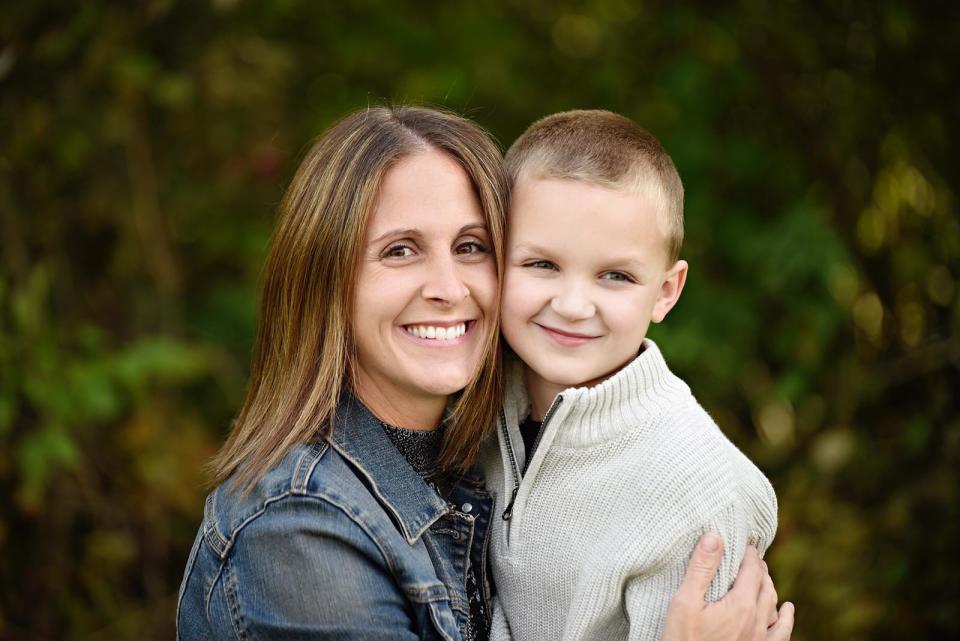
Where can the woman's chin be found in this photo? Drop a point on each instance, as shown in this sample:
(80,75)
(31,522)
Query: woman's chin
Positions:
(438,383)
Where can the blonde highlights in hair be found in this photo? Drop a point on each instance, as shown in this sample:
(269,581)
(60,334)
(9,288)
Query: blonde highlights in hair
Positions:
(303,355)
(606,149)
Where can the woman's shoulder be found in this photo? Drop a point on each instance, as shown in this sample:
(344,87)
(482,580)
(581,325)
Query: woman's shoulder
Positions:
(310,473)
(308,547)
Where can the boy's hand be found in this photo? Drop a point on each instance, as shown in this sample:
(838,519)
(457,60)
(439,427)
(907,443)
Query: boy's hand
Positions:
(747,613)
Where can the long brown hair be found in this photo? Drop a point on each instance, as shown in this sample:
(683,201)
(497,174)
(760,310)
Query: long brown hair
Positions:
(302,359)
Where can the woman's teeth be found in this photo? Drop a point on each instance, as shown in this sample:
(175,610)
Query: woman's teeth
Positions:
(438,333)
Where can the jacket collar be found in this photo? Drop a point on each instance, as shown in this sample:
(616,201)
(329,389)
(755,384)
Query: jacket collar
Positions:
(359,437)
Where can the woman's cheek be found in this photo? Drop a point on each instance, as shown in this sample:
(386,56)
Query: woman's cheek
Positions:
(484,285)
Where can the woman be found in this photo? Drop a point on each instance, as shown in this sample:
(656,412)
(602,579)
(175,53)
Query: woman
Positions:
(347,505)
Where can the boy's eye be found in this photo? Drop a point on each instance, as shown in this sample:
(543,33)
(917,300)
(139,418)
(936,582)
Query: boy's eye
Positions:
(472,247)
(618,277)
(540,264)
(397,251)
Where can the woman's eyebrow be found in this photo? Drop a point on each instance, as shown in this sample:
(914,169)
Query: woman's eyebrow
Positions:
(397,232)
(470,226)
(416,233)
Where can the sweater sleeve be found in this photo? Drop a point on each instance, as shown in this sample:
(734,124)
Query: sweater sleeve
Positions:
(761,506)
(499,628)
(750,519)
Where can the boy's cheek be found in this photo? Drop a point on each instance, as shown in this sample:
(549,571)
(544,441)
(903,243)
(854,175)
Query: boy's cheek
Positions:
(516,309)
(521,297)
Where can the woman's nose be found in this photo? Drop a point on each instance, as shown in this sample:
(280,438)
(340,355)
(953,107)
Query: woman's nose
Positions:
(444,283)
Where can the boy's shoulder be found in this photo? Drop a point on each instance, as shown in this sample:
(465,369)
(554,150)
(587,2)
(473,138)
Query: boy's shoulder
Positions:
(688,458)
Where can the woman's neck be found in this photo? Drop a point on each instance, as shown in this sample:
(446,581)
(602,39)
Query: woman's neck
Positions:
(399,408)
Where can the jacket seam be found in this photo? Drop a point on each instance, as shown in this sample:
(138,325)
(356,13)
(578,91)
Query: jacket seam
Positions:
(411,537)
(303,470)
(221,543)
(191,564)
(213,586)
(438,625)
(236,530)
(232,594)
(338,502)
(424,594)
(323,446)
(212,533)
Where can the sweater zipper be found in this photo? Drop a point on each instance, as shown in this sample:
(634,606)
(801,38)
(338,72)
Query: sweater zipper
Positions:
(508,513)
(543,426)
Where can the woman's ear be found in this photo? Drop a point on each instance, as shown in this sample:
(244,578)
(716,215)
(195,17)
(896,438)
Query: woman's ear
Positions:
(670,288)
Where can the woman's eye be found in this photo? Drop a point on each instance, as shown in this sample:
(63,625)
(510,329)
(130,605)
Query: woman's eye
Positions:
(619,277)
(472,247)
(398,251)
(540,264)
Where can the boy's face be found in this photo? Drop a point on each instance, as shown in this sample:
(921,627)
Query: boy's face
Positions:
(586,274)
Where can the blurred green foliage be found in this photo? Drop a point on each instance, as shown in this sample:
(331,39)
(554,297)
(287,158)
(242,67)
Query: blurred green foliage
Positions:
(144,147)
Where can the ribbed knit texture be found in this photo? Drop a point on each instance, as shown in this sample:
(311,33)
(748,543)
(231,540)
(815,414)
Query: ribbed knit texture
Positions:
(627,476)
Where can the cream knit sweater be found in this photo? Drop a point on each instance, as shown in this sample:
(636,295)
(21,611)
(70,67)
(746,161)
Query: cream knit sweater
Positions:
(626,477)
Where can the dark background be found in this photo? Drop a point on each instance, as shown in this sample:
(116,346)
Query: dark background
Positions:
(144,148)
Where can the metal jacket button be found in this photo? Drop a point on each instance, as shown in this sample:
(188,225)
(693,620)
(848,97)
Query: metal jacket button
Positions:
(466,508)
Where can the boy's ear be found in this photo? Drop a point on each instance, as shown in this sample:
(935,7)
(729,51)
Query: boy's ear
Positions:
(670,289)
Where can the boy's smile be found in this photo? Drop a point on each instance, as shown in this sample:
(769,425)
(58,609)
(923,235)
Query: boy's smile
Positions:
(568,339)
(586,274)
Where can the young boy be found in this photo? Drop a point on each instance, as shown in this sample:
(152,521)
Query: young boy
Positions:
(608,470)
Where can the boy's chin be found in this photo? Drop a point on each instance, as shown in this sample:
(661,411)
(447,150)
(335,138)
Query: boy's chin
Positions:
(573,377)
(580,375)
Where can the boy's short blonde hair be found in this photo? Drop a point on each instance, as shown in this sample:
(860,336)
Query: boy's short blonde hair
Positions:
(606,149)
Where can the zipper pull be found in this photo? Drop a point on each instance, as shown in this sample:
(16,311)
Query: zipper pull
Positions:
(508,513)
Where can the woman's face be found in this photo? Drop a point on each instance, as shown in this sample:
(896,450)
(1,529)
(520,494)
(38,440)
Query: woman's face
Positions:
(426,286)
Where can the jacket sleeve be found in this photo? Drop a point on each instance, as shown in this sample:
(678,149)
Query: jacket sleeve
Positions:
(305,570)
(750,519)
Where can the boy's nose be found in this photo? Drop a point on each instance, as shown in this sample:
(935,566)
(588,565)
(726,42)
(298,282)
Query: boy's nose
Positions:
(571,304)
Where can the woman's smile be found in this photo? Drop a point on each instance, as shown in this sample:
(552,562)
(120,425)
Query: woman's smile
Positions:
(441,334)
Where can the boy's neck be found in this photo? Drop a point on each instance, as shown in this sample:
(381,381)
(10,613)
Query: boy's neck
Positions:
(541,393)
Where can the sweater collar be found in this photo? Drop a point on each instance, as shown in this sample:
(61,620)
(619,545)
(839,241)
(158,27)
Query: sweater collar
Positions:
(593,415)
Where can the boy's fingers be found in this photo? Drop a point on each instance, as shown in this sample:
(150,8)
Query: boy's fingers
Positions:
(767,602)
(783,628)
(703,566)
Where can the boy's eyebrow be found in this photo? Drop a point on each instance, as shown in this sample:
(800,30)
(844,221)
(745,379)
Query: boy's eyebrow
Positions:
(533,249)
(418,234)
(608,262)
(625,262)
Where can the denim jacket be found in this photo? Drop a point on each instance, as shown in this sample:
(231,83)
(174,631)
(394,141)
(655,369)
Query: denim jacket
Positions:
(342,540)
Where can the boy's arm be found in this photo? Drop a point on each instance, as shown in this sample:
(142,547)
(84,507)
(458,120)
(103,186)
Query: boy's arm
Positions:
(647,596)
(747,613)
(750,519)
